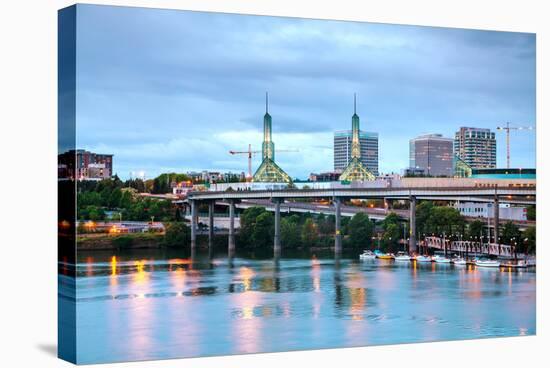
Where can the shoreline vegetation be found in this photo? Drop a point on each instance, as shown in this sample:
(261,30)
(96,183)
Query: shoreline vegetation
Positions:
(116,200)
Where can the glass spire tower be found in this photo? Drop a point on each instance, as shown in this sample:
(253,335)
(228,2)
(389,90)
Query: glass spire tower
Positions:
(355,171)
(269,171)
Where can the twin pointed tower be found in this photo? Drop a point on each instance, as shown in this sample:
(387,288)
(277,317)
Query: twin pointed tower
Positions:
(355,169)
(269,171)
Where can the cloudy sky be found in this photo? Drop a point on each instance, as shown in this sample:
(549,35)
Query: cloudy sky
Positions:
(175,91)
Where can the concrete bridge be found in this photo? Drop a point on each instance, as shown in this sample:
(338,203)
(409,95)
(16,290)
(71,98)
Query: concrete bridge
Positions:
(494,194)
(374,213)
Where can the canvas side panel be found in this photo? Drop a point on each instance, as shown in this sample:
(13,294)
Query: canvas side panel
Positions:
(66,296)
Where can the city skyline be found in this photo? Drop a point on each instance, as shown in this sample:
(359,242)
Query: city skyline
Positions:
(194,89)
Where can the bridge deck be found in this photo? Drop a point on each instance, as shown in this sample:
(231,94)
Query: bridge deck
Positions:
(524,195)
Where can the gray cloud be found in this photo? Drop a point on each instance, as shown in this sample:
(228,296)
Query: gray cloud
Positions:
(159,87)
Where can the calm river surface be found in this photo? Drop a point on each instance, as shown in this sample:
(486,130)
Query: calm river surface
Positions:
(154,304)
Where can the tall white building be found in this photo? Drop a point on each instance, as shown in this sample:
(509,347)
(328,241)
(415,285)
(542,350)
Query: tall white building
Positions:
(369,150)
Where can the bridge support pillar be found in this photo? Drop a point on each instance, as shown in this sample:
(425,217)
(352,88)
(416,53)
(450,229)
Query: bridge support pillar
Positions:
(231,240)
(277,237)
(496,222)
(193,224)
(210,225)
(412,225)
(337,228)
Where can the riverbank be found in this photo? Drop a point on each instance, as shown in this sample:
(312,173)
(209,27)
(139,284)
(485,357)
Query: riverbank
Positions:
(125,241)
(100,242)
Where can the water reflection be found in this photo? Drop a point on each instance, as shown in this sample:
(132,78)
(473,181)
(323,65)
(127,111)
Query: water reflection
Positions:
(144,305)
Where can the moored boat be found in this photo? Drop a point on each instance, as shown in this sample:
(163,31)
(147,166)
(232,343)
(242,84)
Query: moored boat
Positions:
(459,262)
(440,259)
(487,263)
(515,265)
(367,254)
(423,259)
(382,255)
(402,256)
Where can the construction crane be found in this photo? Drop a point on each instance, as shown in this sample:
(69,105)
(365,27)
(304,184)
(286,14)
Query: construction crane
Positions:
(507,129)
(250,154)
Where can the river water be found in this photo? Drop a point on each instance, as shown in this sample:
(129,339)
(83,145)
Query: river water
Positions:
(158,304)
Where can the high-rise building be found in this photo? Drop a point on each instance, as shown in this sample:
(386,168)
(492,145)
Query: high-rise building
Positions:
(369,150)
(433,154)
(476,147)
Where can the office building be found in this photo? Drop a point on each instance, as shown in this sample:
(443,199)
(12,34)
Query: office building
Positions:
(476,147)
(432,154)
(368,145)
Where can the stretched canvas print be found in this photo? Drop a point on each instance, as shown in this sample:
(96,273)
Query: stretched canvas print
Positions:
(233,184)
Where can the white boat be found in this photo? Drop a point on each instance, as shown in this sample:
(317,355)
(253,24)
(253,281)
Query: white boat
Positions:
(459,262)
(440,259)
(487,263)
(367,254)
(402,256)
(423,259)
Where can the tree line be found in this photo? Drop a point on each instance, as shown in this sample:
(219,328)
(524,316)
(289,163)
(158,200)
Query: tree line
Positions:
(94,199)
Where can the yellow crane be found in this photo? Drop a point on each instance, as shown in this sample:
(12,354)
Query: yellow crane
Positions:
(250,153)
(507,128)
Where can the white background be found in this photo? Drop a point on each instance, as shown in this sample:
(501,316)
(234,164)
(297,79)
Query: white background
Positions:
(28,151)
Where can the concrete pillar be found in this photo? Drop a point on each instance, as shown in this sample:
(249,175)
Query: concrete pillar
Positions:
(210,224)
(231,240)
(277,237)
(338,231)
(412,225)
(193,224)
(496,222)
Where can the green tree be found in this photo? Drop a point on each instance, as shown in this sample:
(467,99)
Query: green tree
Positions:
(177,234)
(262,234)
(475,228)
(392,231)
(391,236)
(423,212)
(248,222)
(509,233)
(309,233)
(325,224)
(443,219)
(126,198)
(95,213)
(529,240)
(105,194)
(360,230)
(531,213)
(114,198)
(291,232)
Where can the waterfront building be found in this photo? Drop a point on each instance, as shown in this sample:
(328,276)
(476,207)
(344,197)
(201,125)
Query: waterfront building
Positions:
(369,150)
(433,154)
(269,171)
(476,147)
(485,210)
(356,170)
(89,165)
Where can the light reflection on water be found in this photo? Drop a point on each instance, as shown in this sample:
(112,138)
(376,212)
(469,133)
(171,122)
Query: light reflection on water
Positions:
(152,306)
